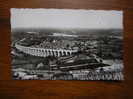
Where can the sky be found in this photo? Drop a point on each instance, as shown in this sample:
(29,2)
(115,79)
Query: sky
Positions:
(66,18)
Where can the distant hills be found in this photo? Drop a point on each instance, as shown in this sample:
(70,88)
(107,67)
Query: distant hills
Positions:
(50,31)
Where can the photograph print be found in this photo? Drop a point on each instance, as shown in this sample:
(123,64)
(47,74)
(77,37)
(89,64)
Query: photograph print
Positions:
(66,44)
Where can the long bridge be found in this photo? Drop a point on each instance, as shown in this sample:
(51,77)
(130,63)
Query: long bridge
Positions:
(42,52)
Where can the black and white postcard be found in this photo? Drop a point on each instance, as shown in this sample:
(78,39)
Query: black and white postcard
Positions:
(66,44)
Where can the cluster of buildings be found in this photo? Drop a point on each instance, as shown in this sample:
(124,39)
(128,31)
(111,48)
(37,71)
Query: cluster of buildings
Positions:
(57,45)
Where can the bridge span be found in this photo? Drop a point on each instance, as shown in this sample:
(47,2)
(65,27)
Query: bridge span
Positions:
(42,52)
